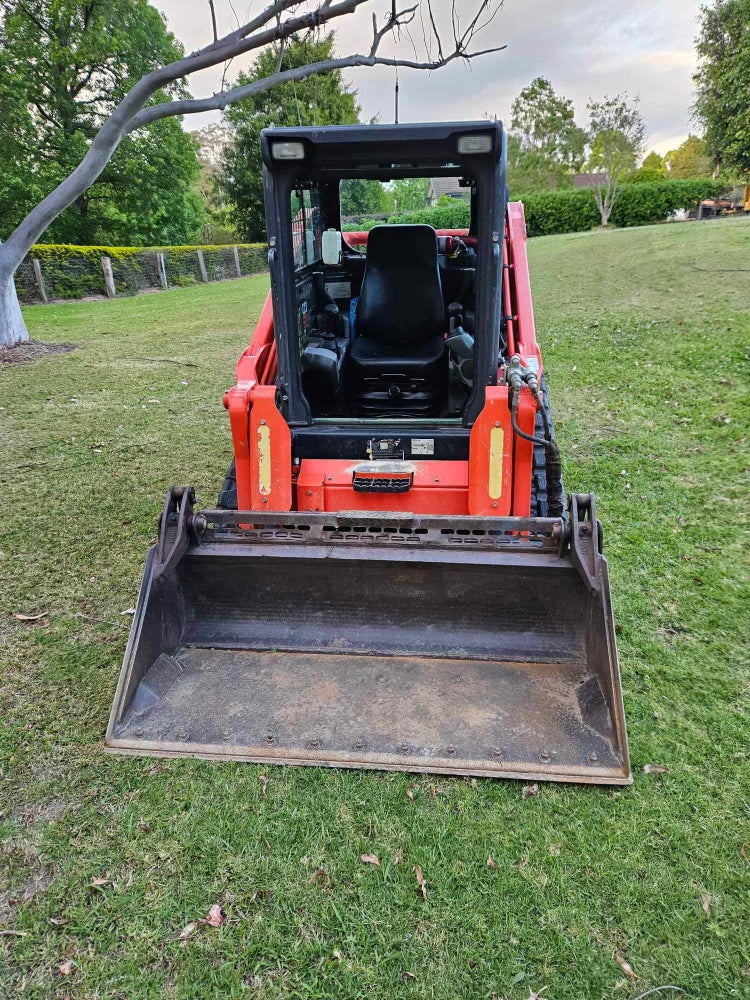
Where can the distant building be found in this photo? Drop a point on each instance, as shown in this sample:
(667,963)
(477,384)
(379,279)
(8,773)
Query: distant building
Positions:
(447,187)
(589,180)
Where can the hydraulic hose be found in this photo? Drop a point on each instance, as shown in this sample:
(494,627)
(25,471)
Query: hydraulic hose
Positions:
(516,378)
(548,442)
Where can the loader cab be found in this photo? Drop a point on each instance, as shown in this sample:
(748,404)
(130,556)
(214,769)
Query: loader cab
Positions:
(401,325)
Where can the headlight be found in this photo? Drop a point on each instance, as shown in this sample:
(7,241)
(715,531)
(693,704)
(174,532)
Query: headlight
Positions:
(287,151)
(475,144)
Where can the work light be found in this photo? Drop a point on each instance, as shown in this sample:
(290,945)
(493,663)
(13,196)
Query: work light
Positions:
(475,144)
(287,151)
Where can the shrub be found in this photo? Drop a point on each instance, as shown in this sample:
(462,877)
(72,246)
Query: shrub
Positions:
(454,216)
(364,226)
(640,204)
(566,211)
(76,271)
(572,210)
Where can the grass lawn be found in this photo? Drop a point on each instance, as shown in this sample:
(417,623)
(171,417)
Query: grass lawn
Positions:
(644,332)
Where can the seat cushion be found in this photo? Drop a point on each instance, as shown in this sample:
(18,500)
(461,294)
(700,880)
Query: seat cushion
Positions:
(401,301)
(374,358)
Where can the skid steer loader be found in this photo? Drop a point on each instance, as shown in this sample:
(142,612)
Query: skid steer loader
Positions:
(391,577)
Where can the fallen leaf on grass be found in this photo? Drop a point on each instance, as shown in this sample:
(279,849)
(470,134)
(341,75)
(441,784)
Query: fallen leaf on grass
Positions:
(370,859)
(410,791)
(706,904)
(421,881)
(743,852)
(31,618)
(7,933)
(97,881)
(626,967)
(128,611)
(491,863)
(263,783)
(321,877)
(215,917)
(534,995)
(408,977)
(530,790)
(655,769)
(65,968)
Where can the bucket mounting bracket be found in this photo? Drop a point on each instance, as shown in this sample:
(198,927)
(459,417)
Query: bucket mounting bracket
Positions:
(176,528)
(586,537)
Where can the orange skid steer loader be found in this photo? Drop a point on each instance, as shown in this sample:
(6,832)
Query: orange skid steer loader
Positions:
(392,577)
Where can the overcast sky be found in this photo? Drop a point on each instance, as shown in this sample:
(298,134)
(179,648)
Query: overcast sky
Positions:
(587,48)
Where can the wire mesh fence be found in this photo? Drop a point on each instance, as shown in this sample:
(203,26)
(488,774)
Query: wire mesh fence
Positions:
(71,272)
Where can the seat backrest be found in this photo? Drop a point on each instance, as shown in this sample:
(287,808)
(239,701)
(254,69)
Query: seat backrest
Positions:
(401,301)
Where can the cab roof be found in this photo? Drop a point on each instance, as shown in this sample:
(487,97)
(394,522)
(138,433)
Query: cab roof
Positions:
(392,149)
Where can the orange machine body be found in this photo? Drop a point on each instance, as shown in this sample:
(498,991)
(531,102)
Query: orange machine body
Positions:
(496,479)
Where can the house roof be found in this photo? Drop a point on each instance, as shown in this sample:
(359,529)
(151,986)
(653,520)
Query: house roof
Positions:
(588,180)
(440,186)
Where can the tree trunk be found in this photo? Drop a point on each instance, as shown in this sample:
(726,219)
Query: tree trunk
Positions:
(603,199)
(12,327)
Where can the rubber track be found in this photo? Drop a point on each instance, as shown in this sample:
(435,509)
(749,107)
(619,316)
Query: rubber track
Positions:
(228,496)
(539,491)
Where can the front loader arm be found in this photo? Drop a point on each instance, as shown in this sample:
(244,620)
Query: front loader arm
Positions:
(260,435)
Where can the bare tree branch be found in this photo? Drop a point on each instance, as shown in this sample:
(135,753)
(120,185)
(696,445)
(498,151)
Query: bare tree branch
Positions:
(213,20)
(268,27)
(435,32)
(219,101)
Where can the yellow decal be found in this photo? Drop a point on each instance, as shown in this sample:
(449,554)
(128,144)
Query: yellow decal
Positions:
(495,483)
(264,459)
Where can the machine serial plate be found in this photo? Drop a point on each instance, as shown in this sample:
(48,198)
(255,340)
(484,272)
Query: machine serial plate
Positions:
(339,289)
(423,446)
(385,448)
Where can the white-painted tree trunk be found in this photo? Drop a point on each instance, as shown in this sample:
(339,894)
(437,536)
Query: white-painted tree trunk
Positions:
(12,327)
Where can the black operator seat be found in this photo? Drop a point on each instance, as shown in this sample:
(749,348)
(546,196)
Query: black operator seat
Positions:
(397,359)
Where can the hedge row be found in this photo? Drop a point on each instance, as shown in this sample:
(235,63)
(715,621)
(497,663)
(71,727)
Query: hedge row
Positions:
(74,272)
(574,210)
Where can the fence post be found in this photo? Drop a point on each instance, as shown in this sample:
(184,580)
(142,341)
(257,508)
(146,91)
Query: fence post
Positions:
(162,270)
(202,265)
(237,261)
(109,281)
(39,278)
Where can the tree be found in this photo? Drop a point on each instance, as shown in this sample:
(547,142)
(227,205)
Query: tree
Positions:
(323,99)
(410,193)
(153,97)
(616,137)
(722,102)
(529,171)
(64,66)
(652,169)
(212,143)
(550,144)
(361,197)
(690,160)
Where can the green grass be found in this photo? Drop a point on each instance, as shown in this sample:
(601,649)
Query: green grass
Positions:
(644,332)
